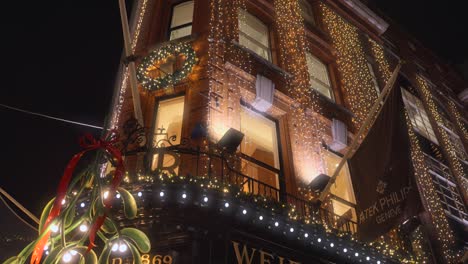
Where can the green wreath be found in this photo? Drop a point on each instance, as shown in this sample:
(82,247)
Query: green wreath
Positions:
(151,83)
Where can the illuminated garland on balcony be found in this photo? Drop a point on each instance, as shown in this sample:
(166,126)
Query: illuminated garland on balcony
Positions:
(446,142)
(307,130)
(352,64)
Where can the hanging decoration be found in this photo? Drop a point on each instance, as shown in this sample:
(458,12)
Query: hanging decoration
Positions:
(161,55)
(63,232)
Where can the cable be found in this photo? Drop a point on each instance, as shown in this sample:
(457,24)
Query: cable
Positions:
(22,208)
(49,117)
(19,217)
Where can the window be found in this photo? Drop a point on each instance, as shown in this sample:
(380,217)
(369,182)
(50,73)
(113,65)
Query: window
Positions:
(254,35)
(168,127)
(307,12)
(374,78)
(181,21)
(319,78)
(418,116)
(343,199)
(260,144)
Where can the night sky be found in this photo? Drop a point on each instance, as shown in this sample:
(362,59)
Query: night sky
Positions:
(60,58)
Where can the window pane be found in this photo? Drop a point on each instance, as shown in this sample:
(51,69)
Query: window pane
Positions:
(169,119)
(253,34)
(182,14)
(260,142)
(181,32)
(318,75)
(306,12)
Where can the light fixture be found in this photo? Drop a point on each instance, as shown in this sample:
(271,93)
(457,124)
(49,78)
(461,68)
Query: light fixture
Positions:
(83,228)
(291,229)
(115,247)
(356,254)
(244,211)
(82,205)
(139,194)
(306,235)
(123,247)
(332,245)
(161,194)
(54,228)
(319,240)
(345,250)
(117,196)
(205,199)
(378,261)
(367,258)
(276,224)
(260,217)
(184,195)
(67,257)
(226,204)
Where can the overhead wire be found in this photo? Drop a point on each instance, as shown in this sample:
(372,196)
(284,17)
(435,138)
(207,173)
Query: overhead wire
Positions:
(49,117)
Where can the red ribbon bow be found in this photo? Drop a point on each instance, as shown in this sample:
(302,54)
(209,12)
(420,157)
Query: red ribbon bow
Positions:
(89,143)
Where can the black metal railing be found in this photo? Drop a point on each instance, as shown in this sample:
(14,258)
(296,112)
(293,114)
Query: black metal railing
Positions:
(213,164)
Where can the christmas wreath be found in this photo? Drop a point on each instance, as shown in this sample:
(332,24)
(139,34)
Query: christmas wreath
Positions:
(160,54)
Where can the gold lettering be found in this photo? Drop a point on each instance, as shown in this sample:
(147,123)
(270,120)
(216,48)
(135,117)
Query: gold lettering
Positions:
(117,261)
(145,259)
(262,257)
(245,254)
(281,260)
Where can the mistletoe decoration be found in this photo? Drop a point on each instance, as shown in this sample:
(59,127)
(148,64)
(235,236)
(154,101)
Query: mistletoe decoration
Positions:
(64,235)
(161,54)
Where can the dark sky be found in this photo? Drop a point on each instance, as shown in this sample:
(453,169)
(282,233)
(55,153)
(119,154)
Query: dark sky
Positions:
(60,58)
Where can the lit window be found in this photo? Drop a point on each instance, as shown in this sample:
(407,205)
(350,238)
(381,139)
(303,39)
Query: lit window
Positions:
(169,119)
(168,128)
(260,143)
(374,78)
(343,188)
(319,78)
(306,12)
(181,22)
(253,34)
(418,116)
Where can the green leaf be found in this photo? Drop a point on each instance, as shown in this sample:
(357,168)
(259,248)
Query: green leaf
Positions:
(130,206)
(138,238)
(91,257)
(108,226)
(45,214)
(104,257)
(53,255)
(70,215)
(136,255)
(12,260)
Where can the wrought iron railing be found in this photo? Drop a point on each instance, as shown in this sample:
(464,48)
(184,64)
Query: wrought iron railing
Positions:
(191,160)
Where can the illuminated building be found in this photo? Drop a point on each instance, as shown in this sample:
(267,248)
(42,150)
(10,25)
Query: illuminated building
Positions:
(235,132)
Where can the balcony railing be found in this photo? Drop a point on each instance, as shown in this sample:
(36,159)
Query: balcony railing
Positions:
(226,168)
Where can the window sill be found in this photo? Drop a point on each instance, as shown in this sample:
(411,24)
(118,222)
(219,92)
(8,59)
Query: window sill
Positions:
(333,105)
(262,60)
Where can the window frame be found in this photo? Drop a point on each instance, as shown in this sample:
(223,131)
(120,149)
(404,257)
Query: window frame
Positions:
(170,29)
(333,96)
(281,170)
(269,49)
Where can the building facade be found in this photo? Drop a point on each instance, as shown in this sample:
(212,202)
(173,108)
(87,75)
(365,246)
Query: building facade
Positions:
(246,103)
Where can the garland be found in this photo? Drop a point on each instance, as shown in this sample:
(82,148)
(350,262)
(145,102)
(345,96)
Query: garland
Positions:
(161,54)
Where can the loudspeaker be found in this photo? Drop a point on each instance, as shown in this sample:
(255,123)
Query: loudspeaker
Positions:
(231,140)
